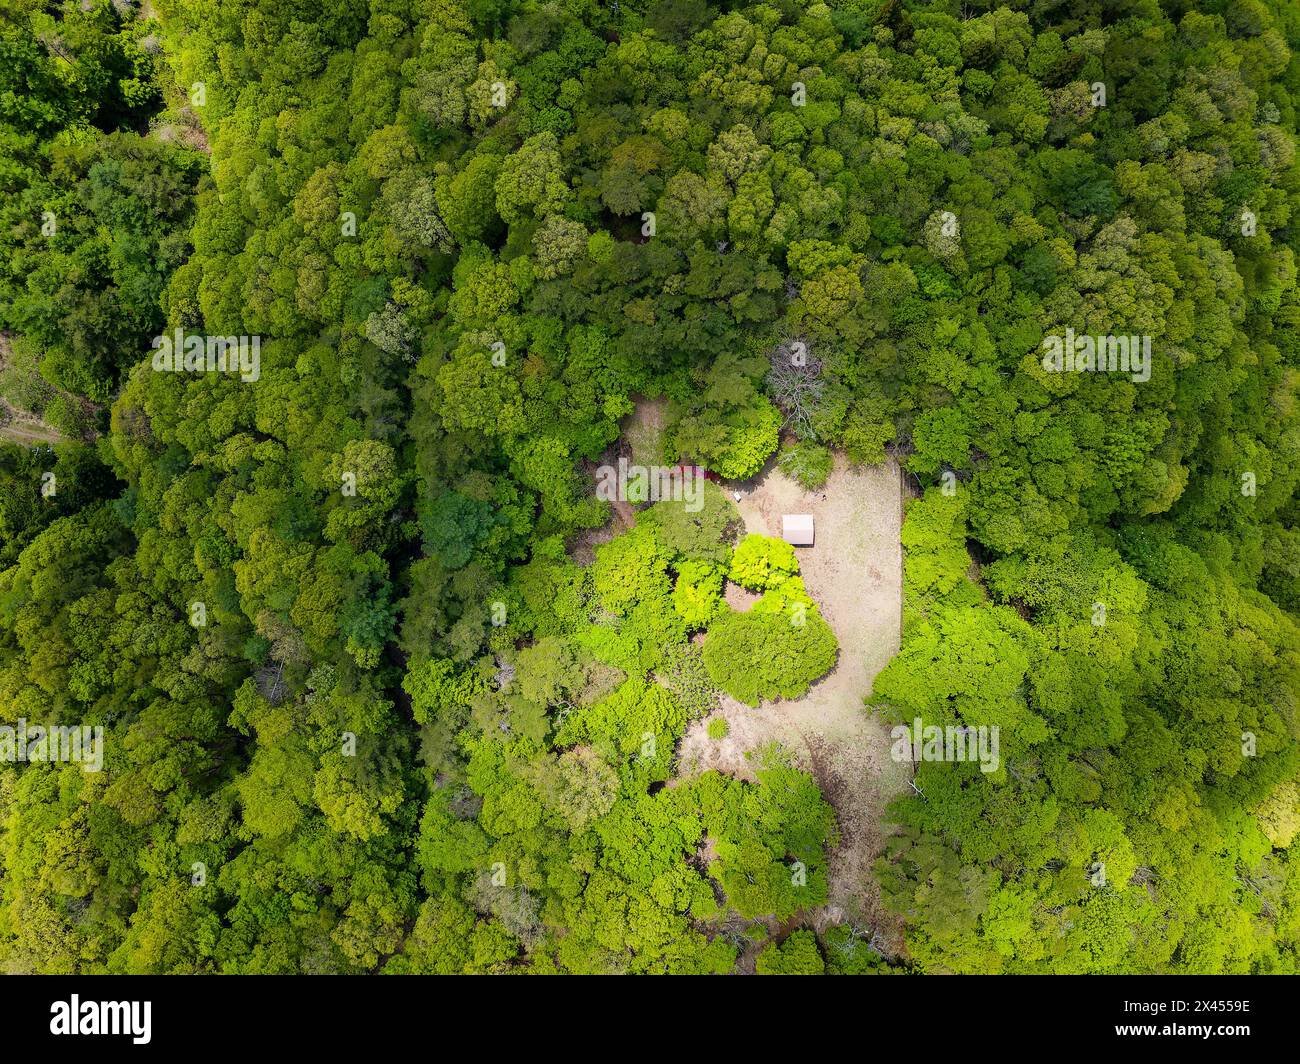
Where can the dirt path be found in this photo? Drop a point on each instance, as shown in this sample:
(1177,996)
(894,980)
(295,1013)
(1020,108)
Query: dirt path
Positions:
(29,434)
(18,426)
(642,431)
(640,441)
(855,573)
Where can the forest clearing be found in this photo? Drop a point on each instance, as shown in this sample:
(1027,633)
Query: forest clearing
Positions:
(538,598)
(24,429)
(854,572)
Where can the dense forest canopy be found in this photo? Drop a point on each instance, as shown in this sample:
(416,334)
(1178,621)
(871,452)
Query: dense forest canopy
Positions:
(366,707)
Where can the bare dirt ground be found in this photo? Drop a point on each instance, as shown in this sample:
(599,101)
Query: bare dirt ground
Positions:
(17,425)
(854,572)
(21,428)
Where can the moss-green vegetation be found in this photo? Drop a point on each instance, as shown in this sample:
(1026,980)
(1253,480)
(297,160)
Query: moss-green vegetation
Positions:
(331,621)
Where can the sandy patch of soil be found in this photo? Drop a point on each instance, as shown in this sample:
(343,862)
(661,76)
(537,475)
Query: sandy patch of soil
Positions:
(854,572)
(740,599)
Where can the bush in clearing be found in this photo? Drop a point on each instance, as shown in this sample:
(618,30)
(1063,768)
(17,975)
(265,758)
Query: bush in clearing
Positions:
(758,655)
(761,562)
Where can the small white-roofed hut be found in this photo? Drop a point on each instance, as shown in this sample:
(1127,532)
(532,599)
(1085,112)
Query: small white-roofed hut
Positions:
(797,529)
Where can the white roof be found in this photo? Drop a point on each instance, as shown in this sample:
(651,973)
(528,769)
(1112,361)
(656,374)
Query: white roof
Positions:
(797,529)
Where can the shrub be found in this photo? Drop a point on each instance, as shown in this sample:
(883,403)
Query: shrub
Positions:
(698,593)
(702,535)
(797,955)
(761,562)
(808,463)
(685,676)
(718,728)
(753,656)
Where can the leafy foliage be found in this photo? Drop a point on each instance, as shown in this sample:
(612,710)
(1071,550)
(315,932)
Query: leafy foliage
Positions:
(413,733)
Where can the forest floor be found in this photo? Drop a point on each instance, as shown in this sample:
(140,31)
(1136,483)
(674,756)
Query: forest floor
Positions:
(642,432)
(20,426)
(23,428)
(640,441)
(854,572)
